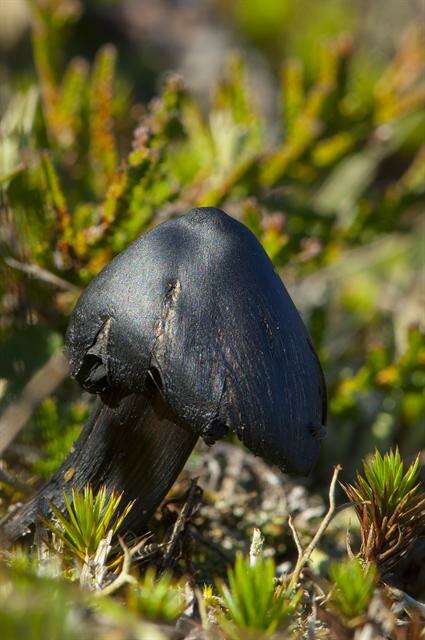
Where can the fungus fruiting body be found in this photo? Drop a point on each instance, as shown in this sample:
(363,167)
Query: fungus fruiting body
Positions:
(188,333)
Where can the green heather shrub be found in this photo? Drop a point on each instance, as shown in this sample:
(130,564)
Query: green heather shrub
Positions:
(333,185)
(82,177)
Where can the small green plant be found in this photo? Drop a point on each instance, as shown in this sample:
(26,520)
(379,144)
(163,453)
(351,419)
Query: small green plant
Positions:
(88,519)
(353,587)
(332,187)
(254,606)
(157,597)
(390,506)
(36,608)
(40,607)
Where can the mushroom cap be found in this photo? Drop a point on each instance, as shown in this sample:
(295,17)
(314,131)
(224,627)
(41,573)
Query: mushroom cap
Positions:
(196,306)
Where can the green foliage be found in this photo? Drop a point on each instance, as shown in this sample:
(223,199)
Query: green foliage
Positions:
(56,426)
(102,141)
(332,187)
(385,393)
(390,504)
(385,482)
(353,587)
(88,519)
(282,27)
(101,198)
(37,608)
(313,193)
(254,606)
(157,597)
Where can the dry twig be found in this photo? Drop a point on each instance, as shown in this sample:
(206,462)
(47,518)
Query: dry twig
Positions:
(124,576)
(180,526)
(304,556)
(295,536)
(407,601)
(39,273)
(41,385)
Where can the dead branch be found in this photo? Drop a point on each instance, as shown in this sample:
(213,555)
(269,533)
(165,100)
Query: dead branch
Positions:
(407,601)
(124,576)
(179,530)
(42,384)
(304,556)
(39,273)
(295,536)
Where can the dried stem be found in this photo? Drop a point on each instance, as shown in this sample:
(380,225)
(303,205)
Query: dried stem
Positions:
(407,601)
(295,536)
(39,273)
(179,530)
(350,552)
(43,383)
(256,548)
(124,576)
(304,556)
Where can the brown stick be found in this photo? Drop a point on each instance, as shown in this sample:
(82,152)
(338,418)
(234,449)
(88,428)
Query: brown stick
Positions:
(39,273)
(41,385)
(304,555)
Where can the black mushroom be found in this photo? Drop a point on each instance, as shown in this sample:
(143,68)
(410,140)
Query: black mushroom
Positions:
(187,333)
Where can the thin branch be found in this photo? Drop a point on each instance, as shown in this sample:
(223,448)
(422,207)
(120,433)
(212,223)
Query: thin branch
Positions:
(350,552)
(124,576)
(295,536)
(305,555)
(41,385)
(349,505)
(407,601)
(39,273)
(180,526)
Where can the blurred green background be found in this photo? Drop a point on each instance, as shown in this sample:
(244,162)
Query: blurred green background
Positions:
(305,120)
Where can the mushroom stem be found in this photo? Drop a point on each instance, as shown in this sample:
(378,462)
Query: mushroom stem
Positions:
(137,447)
